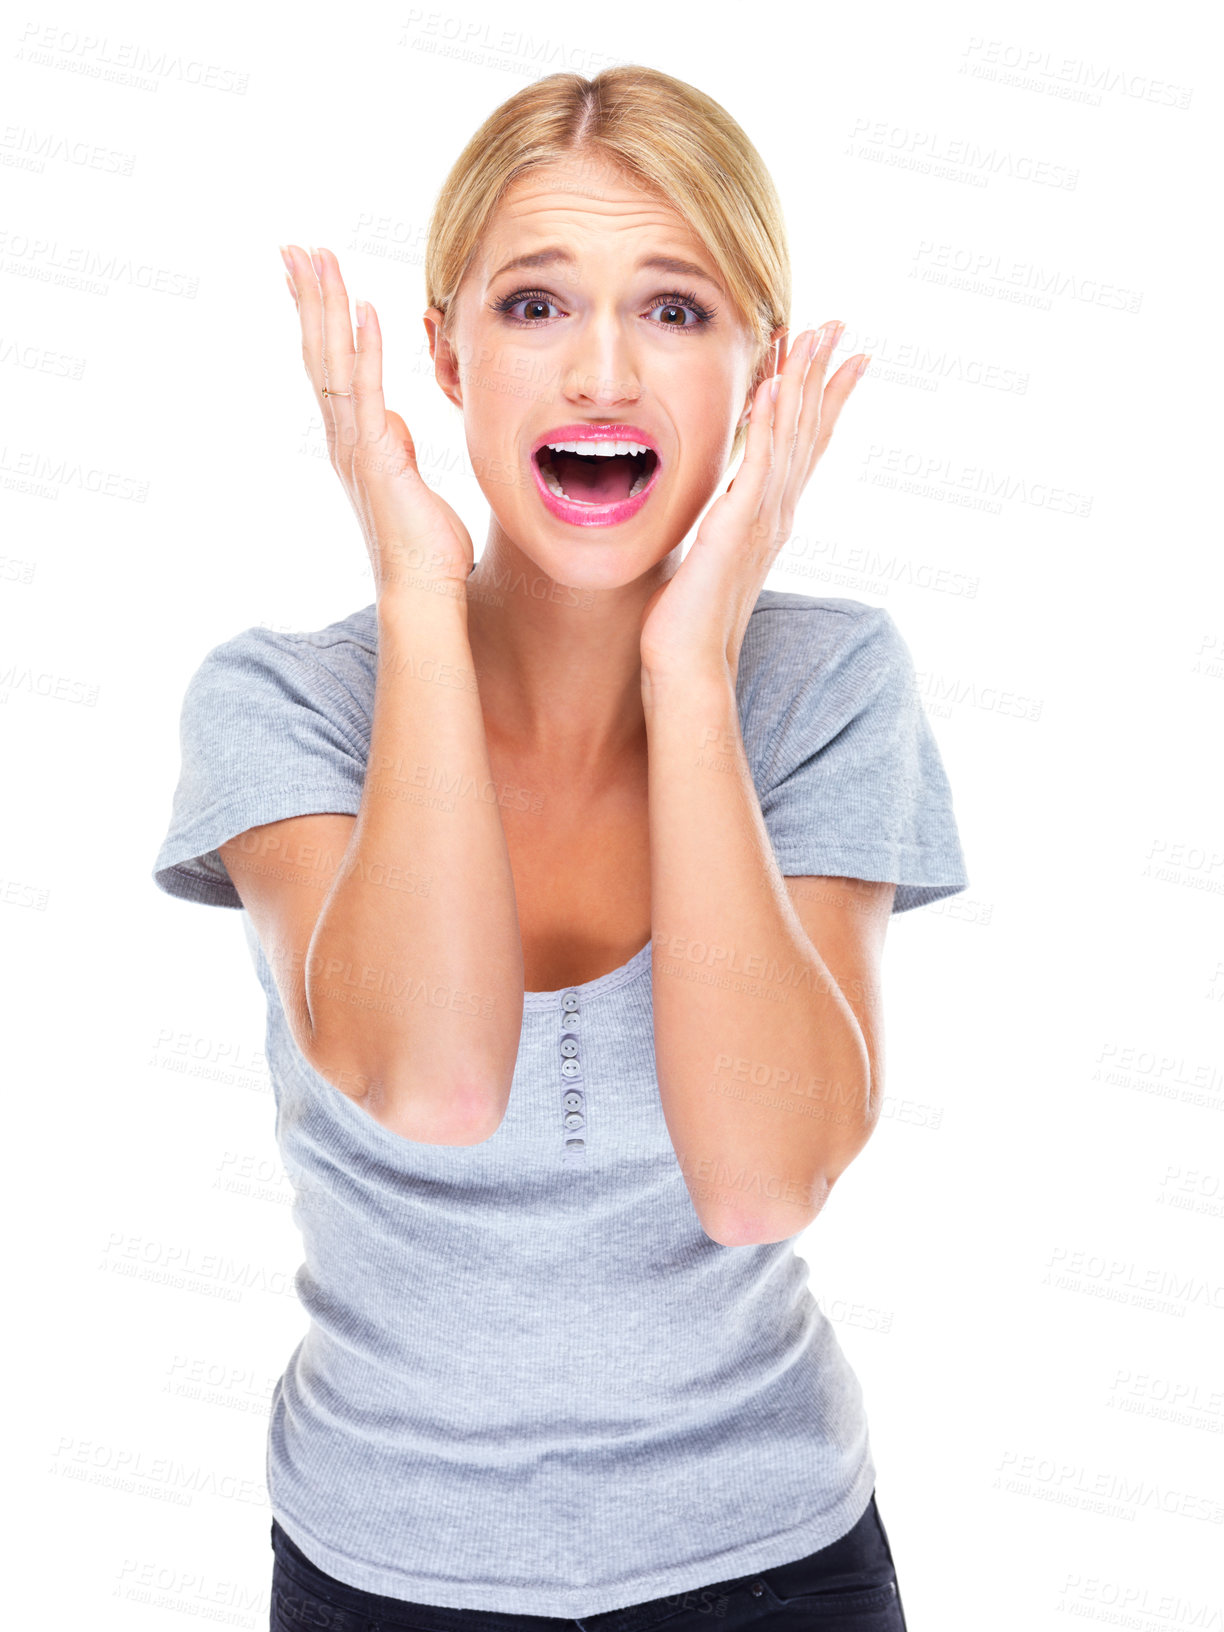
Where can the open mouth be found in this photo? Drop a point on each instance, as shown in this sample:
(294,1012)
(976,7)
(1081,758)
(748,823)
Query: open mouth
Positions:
(619,471)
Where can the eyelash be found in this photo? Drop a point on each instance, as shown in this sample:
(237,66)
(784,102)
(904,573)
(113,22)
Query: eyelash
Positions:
(704,314)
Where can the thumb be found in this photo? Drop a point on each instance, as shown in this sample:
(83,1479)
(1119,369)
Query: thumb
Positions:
(649,607)
(401,436)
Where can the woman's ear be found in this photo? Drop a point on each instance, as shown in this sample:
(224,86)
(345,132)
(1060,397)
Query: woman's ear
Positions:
(770,367)
(442,355)
(782,329)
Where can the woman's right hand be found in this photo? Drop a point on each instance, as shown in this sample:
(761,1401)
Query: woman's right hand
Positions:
(412,535)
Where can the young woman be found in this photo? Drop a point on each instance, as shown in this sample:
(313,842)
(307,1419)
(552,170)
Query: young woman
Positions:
(566,874)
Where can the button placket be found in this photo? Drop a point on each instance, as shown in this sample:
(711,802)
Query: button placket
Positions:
(573,1098)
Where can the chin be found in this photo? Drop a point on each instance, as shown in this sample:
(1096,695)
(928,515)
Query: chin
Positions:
(590,562)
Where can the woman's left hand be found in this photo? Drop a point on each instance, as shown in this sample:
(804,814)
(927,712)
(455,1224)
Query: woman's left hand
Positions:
(695,623)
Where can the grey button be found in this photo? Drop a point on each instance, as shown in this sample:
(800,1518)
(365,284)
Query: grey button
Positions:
(575,1144)
(569,1048)
(572,1100)
(574,1119)
(570,1068)
(570,1000)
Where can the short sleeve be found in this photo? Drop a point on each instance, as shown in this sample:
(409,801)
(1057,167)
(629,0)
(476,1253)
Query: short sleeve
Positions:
(265,732)
(852,784)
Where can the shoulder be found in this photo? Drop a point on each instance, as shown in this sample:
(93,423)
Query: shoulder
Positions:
(331,669)
(788,630)
(348,642)
(800,649)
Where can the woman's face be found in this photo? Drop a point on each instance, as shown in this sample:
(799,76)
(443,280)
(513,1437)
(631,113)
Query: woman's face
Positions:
(583,335)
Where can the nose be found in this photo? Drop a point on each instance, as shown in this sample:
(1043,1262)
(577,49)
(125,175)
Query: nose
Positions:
(600,370)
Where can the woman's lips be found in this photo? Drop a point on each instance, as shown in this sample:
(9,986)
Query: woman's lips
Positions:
(580,514)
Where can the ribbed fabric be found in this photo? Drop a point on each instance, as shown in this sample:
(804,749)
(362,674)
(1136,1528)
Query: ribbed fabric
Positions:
(531,1382)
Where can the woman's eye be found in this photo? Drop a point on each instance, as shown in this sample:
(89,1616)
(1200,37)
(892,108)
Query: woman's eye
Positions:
(531,305)
(530,310)
(675,315)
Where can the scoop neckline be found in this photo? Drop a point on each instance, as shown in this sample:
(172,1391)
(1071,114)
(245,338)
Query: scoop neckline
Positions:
(635,966)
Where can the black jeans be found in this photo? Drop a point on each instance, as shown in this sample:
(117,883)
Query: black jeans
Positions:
(848,1586)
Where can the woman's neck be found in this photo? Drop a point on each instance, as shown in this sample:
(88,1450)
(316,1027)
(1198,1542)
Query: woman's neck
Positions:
(559,666)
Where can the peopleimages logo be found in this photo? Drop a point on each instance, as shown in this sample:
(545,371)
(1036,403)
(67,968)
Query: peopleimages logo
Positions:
(122,62)
(1074,79)
(954,158)
(1029,283)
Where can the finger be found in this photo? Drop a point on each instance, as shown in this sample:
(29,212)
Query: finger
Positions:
(813,412)
(790,395)
(337,351)
(793,401)
(309,297)
(752,477)
(368,403)
(310,311)
(833,401)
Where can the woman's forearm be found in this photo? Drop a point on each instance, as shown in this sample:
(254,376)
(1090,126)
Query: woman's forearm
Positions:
(735,978)
(421,918)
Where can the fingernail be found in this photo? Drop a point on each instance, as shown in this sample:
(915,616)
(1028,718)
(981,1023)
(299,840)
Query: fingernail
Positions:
(361,314)
(287,258)
(317,263)
(773,387)
(862,367)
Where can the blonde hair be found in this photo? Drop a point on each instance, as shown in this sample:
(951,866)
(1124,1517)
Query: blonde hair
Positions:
(668,138)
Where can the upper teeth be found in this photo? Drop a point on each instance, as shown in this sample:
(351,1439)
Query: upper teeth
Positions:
(607,449)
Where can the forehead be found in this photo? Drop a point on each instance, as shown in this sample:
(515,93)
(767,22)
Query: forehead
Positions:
(588,206)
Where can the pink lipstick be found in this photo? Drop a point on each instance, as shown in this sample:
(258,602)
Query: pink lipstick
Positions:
(581,512)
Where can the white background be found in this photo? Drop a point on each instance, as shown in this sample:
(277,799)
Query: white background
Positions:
(1025,1265)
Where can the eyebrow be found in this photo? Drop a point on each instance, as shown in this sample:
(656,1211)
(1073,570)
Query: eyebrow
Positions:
(650,263)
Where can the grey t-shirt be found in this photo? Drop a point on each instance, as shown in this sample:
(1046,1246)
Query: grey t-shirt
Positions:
(531,1382)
